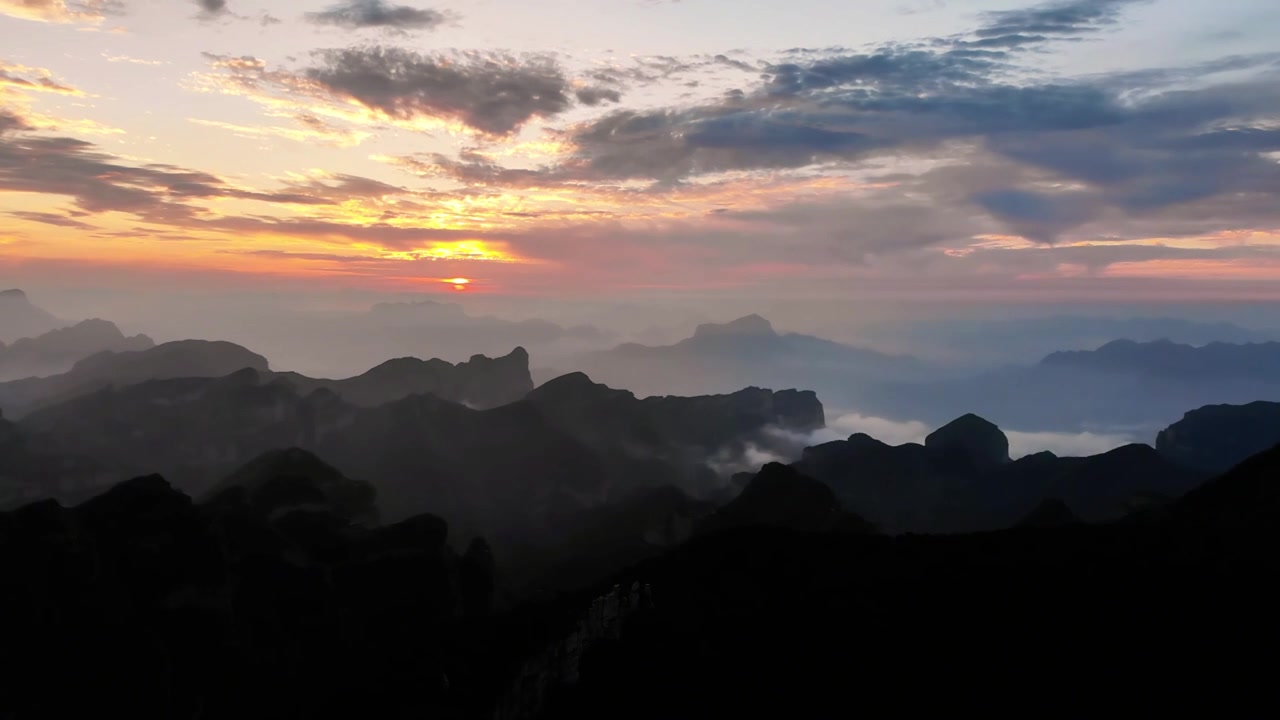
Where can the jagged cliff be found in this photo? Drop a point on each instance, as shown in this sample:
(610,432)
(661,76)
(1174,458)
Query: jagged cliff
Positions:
(559,665)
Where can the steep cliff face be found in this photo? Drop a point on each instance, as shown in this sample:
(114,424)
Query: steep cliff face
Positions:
(558,666)
(1216,438)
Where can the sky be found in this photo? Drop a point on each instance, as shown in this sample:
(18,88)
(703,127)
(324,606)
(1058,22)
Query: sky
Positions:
(812,151)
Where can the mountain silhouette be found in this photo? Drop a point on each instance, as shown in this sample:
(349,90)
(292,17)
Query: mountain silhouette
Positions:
(480,382)
(283,481)
(724,357)
(20,319)
(780,496)
(182,359)
(57,351)
(1216,438)
(1122,384)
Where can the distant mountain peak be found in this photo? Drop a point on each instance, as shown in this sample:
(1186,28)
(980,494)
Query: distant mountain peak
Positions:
(750,325)
(14,295)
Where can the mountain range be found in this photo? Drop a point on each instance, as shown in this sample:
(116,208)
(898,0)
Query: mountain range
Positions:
(279,593)
(746,351)
(57,351)
(1123,384)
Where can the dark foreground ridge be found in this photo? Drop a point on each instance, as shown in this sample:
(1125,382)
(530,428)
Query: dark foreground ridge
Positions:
(276,599)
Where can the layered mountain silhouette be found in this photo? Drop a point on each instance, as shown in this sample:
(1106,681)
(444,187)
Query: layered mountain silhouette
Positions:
(480,382)
(605,560)
(1216,438)
(183,359)
(57,351)
(747,351)
(509,472)
(1169,359)
(343,344)
(1122,384)
(961,479)
(280,482)
(250,605)
(784,617)
(989,341)
(21,319)
(781,497)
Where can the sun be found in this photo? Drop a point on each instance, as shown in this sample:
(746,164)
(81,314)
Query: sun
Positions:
(459,283)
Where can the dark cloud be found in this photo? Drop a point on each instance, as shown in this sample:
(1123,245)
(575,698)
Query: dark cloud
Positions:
(492,94)
(1040,216)
(52,219)
(210,9)
(360,14)
(592,96)
(10,122)
(1064,19)
(97,181)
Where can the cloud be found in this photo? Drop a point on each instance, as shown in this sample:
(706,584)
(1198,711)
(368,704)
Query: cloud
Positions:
(212,9)
(488,93)
(10,122)
(20,77)
(1061,444)
(312,130)
(49,218)
(592,96)
(1062,19)
(362,14)
(59,11)
(493,94)
(97,181)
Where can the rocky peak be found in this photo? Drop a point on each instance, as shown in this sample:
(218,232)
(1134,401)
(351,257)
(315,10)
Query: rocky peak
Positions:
(978,439)
(13,296)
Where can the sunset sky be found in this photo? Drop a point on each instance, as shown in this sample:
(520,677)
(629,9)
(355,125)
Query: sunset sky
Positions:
(959,150)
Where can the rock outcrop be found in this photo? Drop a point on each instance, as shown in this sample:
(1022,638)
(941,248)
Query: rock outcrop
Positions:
(558,666)
(976,440)
(1216,438)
